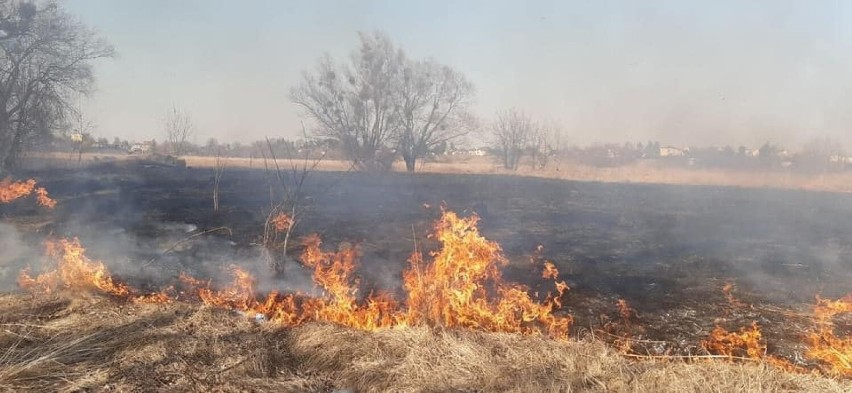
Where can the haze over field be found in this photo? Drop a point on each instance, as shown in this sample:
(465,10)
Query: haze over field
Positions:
(683,73)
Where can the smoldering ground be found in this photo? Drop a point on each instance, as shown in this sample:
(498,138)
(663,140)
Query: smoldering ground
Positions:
(668,250)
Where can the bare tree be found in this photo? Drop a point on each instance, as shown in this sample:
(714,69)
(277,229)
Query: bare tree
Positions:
(355,102)
(81,129)
(45,56)
(179,128)
(285,210)
(218,171)
(544,142)
(512,132)
(433,109)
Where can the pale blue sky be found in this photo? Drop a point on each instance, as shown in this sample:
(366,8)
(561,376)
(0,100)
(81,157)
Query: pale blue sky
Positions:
(714,72)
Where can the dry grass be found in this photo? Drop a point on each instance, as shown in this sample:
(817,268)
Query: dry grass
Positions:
(650,171)
(90,343)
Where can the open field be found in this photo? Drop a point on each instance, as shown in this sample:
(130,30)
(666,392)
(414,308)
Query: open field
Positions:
(668,250)
(646,171)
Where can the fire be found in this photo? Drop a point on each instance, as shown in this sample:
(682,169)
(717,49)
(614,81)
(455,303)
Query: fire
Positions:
(12,190)
(550,271)
(729,290)
(281,222)
(833,352)
(463,286)
(460,287)
(75,271)
(748,342)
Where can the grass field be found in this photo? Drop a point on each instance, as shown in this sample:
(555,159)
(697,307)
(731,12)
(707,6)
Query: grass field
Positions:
(667,250)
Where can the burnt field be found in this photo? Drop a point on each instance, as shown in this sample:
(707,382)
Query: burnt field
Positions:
(667,250)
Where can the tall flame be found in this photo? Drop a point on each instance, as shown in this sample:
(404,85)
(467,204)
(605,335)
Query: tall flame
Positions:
(461,287)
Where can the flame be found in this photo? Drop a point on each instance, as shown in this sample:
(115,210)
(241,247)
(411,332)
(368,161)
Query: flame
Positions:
(833,352)
(281,222)
(748,342)
(460,287)
(12,190)
(550,271)
(463,286)
(729,290)
(74,271)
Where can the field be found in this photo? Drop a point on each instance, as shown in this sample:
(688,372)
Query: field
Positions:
(667,251)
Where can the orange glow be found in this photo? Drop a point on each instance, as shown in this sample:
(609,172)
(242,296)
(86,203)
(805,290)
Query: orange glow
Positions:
(460,287)
(74,271)
(12,190)
(625,311)
(550,272)
(455,289)
(834,353)
(746,343)
(729,290)
(281,222)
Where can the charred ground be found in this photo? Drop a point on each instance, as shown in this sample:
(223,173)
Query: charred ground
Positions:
(668,250)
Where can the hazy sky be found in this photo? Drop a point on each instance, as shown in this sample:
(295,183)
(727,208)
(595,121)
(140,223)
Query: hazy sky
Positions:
(714,72)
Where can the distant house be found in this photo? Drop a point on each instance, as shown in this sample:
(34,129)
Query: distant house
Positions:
(141,147)
(469,152)
(840,159)
(672,151)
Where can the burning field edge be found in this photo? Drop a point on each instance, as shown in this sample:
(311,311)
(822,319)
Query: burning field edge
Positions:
(78,342)
(458,326)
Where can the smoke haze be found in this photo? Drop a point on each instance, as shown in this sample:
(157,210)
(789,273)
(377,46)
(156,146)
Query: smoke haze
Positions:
(609,71)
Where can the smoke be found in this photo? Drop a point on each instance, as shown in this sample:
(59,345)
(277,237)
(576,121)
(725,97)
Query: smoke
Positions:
(16,255)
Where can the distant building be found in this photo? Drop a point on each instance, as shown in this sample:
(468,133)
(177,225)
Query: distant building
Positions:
(141,147)
(469,152)
(672,151)
(76,137)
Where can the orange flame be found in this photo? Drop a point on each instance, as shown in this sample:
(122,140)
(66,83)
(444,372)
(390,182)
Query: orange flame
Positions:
(550,271)
(833,352)
(281,222)
(746,343)
(455,290)
(12,190)
(74,271)
(461,287)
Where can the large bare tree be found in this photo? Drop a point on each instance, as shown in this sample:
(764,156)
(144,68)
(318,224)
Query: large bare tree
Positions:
(45,60)
(179,128)
(433,109)
(382,99)
(355,102)
(512,132)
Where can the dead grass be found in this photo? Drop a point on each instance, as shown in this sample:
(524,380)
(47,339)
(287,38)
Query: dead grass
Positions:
(90,343)
(649,171)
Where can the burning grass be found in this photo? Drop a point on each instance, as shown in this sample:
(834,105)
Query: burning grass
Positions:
(458,326)
(11,190)
(461,287)
(83,342)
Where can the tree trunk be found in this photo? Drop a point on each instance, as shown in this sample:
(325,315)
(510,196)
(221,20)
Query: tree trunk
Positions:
(410,162)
